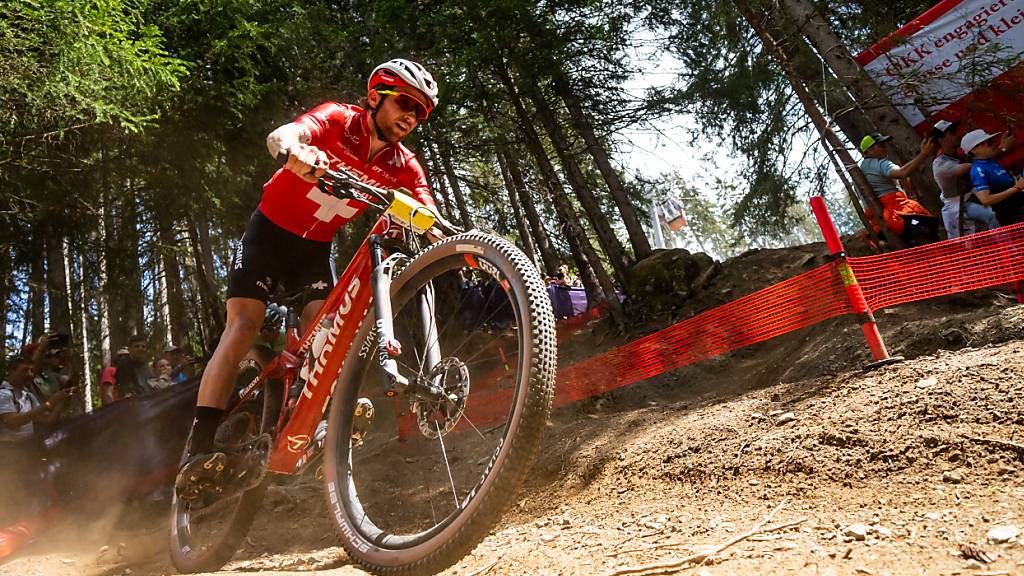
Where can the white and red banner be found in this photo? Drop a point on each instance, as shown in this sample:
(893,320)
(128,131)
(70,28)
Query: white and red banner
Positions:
(963,59)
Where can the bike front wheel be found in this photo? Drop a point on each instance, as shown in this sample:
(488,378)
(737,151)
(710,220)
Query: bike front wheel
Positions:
(426,479)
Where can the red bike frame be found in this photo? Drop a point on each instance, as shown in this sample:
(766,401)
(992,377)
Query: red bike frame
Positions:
(348,301)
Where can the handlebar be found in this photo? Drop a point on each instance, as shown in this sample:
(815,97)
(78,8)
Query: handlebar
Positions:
(342,183)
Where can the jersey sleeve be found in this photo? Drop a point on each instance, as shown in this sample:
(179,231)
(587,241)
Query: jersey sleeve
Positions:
(979,179)
(327,117)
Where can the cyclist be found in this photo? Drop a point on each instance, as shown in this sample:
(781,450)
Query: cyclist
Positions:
(288,237)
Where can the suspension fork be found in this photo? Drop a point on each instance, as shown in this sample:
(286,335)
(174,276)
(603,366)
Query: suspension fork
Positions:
(428,322)
(387,347)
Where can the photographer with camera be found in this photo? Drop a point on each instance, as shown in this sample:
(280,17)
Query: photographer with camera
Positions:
(54,371)
(21,415)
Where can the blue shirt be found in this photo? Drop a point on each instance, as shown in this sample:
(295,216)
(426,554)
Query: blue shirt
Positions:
(991,176)
(877,171)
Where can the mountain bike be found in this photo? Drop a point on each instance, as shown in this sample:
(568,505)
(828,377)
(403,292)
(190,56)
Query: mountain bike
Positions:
(434,415)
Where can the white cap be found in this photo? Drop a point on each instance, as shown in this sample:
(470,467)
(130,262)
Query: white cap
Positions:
(975,137)
(943,125)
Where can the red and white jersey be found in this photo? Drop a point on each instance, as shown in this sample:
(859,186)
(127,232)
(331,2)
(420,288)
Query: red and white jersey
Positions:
(342,132)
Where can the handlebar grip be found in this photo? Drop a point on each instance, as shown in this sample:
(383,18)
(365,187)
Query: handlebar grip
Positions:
(282,159)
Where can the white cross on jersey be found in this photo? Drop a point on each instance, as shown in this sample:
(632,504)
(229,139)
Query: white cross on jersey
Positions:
(330,206)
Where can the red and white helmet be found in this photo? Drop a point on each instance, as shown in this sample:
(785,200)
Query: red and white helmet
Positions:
(402,72)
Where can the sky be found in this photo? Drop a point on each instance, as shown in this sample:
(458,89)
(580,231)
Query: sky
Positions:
(671,148)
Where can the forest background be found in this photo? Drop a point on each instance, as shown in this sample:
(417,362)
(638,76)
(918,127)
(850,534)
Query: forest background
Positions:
(132,135)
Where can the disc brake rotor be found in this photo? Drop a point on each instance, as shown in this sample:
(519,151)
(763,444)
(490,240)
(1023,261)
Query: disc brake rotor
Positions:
(439,417)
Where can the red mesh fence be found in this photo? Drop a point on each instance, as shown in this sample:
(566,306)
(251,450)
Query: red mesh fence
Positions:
(977,261)
(801,301)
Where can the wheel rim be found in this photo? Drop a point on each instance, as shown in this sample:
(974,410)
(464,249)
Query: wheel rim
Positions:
(405,484)
(201,532)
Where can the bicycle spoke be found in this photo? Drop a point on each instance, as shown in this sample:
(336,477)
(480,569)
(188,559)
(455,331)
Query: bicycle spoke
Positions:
(447,465)
(480,434)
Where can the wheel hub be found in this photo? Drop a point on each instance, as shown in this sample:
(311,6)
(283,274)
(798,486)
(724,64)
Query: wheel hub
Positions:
(438,417)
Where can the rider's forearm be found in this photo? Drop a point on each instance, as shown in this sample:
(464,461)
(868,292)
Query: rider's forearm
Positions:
(287,136)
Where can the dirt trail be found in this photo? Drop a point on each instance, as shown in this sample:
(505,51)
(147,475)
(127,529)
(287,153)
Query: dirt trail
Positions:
(883,472)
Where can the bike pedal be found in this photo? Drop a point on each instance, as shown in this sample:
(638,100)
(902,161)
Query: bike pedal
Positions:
(362,419)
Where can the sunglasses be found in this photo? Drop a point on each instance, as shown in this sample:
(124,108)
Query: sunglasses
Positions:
(408,104)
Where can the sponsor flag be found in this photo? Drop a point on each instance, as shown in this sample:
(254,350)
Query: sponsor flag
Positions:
(963,59)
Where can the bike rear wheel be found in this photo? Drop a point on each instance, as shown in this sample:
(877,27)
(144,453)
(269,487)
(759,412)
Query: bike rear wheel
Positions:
(430,479)
(204,539)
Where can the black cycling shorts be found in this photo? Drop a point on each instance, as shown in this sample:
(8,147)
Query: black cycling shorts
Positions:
(270,256)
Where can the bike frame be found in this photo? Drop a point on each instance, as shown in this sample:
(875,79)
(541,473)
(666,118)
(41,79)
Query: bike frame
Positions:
(349,301)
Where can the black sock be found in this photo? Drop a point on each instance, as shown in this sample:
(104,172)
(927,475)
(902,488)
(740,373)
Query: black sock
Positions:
(204,429)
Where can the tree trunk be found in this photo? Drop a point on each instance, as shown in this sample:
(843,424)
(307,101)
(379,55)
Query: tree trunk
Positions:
(57,282)
(37,284)
(828,93)
(131,295)
(637,237)
(83,304)
(162,311)
(540,234)
(455,187)
(103,240)
(517,210)
(828,137)
(436,175)
(562,205)
(872,100)
(214,315)
(577,181)
(175,304)
(6,268)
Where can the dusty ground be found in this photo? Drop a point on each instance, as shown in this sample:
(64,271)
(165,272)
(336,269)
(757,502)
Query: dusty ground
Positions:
(892,471)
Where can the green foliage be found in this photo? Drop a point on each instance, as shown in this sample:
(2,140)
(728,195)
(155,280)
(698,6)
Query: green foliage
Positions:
(73,63)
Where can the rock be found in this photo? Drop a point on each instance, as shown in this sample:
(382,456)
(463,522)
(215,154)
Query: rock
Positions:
(856,531)
(1005,469)
(785,418)
(952,477)
(757,416)
(933,516)
(669,277)
(883,532)
(1002,534)
(927,382)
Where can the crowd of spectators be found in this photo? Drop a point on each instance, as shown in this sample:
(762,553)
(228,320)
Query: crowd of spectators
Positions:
(133,373)
(977,191)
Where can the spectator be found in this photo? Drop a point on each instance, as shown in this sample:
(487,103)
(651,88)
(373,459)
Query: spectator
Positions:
(20,443)
(558,292)
(54,371)
(882,174)
(181,366)
(108,380)
(993,185)
(162,377)
(133,373)
(961,209)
